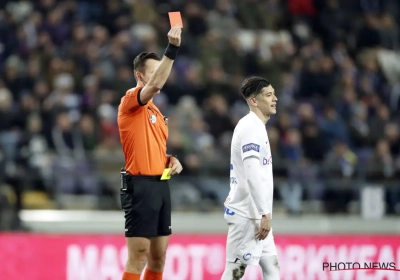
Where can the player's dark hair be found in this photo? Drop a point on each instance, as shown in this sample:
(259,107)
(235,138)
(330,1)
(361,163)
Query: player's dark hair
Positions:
(140,61)
(253,86)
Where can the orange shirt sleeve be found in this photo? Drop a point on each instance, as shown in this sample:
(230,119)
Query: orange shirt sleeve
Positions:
(131,101)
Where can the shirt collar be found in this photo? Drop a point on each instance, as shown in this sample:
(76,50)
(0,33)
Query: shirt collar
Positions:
(253,115)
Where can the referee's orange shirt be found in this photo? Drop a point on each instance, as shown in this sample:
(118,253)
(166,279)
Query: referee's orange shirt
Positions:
(143,132)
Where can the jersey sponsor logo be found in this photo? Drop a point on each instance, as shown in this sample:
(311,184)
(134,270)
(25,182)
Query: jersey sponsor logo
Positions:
(267,161)
(251,147)
(233,180)
(231,167)
(229,212)
(153,118)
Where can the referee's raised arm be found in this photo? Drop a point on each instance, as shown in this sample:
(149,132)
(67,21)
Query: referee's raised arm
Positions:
(160,75)
(145,195)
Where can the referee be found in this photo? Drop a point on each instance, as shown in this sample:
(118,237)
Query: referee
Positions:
(145,198)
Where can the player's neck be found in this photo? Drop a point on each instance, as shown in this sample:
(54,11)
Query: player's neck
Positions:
(260,115)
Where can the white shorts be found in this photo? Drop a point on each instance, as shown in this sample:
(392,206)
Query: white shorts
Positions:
(241,243)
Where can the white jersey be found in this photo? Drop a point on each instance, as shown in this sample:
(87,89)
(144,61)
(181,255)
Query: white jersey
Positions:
(250,138)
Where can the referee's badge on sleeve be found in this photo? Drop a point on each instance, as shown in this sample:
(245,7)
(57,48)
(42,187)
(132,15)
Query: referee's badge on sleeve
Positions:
(153,118)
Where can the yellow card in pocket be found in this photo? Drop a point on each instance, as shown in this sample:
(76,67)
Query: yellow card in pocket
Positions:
(165,175)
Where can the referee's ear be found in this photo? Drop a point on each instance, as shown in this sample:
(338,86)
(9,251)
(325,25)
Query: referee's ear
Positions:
(137,76)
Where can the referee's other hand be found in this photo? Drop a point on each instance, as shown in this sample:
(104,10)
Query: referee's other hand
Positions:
(175,166)
(174,35)
(265,227)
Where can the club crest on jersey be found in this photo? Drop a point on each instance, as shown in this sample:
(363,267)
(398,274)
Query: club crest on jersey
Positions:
(153,118)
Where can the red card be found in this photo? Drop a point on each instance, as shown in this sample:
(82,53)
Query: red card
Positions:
(175,19)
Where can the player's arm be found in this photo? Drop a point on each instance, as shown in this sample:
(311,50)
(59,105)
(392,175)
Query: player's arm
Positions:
(259,193)
(161,73)
(251,160)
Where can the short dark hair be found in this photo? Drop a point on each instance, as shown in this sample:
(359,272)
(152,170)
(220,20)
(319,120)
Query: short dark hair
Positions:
(253,86)
(140,60)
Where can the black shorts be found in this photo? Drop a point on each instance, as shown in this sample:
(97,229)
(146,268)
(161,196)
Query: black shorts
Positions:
(146,202)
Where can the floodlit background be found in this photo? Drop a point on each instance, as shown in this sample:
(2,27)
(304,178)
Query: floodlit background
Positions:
(335,140)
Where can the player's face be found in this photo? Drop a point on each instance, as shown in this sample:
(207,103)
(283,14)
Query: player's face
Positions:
(266,101)
(150,66)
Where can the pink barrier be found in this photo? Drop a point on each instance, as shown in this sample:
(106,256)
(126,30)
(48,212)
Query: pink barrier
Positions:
(190,257)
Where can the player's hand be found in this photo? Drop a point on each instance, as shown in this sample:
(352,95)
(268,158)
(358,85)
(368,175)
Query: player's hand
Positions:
(174,35)
(265,227)
(175,165)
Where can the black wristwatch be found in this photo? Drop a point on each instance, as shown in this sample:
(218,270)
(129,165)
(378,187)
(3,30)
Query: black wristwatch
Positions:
(175,156)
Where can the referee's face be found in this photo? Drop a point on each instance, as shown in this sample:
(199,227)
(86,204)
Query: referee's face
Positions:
(150,66)
(266,101)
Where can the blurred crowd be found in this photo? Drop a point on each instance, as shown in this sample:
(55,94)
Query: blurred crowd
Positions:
(334,65)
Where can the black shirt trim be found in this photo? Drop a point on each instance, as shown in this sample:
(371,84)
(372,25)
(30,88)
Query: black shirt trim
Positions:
(138,98)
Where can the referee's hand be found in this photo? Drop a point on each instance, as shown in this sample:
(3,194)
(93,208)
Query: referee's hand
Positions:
(174,35)
(265,227)
(175,166)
